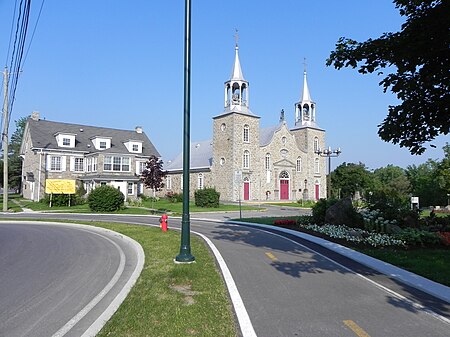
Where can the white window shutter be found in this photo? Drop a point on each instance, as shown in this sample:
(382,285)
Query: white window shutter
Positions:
(48,163)
(72,164)
(63,163)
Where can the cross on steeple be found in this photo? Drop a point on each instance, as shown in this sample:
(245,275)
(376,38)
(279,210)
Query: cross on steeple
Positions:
(304,64)
(236,36)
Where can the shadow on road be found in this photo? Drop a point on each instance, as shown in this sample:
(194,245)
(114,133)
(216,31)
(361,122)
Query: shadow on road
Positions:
(308,257)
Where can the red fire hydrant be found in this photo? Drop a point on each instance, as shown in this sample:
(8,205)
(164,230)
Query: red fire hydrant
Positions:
(164,222)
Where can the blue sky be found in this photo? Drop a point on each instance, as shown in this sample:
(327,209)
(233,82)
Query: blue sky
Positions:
(119,64)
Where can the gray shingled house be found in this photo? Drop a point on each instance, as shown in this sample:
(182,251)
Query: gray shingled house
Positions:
(88,155)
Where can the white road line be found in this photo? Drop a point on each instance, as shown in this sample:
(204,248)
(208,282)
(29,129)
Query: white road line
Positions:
(239,307)
(83,312)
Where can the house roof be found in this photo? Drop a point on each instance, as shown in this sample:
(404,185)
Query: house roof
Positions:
(43,133)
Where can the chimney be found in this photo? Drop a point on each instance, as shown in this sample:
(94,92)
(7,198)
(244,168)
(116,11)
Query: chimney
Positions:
(35,115)
(138,129)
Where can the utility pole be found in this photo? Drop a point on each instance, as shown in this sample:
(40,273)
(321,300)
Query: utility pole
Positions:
(5,140)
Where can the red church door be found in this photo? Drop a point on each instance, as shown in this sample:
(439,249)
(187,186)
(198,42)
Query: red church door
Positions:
(246,190)
(317,192)
(284,189)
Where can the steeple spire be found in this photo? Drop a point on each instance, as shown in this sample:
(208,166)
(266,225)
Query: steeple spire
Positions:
(236,73)
(306,96)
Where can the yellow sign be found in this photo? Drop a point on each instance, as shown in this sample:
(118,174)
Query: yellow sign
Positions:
(60,186)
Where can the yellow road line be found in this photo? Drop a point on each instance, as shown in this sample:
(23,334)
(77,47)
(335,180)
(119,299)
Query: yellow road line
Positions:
(271,256)
(356,328)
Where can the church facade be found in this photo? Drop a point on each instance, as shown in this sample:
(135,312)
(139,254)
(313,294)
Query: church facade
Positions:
(246,162)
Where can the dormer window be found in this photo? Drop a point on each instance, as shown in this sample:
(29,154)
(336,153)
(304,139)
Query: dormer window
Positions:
(101,143)
(65,139)
(134,146)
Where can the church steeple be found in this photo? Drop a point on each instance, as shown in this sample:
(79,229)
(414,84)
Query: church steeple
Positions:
(305,110)
(236,88)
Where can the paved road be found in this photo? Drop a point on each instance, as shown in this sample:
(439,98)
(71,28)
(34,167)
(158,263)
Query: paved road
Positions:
(292,288)
(58,279)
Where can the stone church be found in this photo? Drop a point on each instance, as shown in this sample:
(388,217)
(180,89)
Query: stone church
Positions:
(246,162)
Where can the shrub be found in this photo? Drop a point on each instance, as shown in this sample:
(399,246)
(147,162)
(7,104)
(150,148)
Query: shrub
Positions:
(105,199)
(174,197)
(319,210)
(415,237)
(207,197)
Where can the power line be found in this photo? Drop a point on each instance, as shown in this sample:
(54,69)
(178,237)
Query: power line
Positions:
(34,31)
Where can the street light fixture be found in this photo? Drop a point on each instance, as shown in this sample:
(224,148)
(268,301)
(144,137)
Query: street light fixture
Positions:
(329,153)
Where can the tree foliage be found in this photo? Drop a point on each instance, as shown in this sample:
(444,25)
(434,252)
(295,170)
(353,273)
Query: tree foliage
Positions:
(105,199)
(14,160)
(153,175)
(417,63)
(348,178)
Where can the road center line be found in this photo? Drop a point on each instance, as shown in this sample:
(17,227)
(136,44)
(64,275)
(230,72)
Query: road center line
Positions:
(356,328)
(271,256)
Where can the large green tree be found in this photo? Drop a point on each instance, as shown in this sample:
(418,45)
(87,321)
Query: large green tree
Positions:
(424,183)
(14,160)
(348,178)
(416,62)
(391,186)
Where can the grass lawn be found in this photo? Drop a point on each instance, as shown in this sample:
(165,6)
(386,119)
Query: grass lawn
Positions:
(168,299)
(432,263)
(306,204)
(161,205)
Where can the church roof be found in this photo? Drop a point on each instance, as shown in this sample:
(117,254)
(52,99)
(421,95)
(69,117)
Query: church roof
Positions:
(201,157)
(266,134)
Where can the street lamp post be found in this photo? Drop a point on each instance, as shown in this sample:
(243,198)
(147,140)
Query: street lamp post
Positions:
(328,153)
(185,247)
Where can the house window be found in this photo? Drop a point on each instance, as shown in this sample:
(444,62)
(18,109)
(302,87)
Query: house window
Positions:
(135,148)
(130,188)
(121,164)
(200,182)
(316,144)
(79,164)
(316,166)
(169,182)
(246,133)
(94,164)
(246,159)
(142,166)
(107,165)
(267,163)
(102,145)
(89,164)
(299,164)
(66,142)
(55,163)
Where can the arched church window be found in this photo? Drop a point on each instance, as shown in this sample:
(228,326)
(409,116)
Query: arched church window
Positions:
(284,153)
(246,160)
(284,175)
(267,163)
(246,133)
(299,164)
(283,140)
(316,144)
(223,127)
(200,181)
(316,166)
